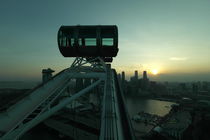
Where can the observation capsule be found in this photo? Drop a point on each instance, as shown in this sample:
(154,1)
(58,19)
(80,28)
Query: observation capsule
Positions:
(88,41)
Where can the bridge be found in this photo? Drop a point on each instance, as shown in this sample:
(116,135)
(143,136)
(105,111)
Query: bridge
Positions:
(52,101)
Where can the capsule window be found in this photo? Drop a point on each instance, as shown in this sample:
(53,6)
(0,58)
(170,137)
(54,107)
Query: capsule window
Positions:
(80,41)
(107,41)
(90,41)
(60,41)
(64,41)
(72,41)
(67,42)
(60,38)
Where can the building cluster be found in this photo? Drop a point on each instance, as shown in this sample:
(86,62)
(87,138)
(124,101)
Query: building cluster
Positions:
(190,87)
(200,90)
(140,86)
(188,119)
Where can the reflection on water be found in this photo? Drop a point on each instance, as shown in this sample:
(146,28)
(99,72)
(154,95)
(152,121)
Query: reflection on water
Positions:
(135,105)
(138,104)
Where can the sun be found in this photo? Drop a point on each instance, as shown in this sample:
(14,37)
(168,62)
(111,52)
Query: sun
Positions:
(154,71)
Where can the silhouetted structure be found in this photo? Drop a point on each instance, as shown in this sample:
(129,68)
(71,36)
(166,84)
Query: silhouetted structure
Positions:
(88,41)
(195,88)
(136,75)
(145,81)
(123,76)
(53,103)
(47,74)
(145,75)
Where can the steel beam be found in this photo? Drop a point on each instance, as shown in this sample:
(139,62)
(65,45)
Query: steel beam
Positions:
(19,131)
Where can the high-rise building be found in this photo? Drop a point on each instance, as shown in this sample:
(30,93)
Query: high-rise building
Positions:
(123,76)
(136,75)
(145,75)
(119,76)
(145,81)
(47,74)
(123,81)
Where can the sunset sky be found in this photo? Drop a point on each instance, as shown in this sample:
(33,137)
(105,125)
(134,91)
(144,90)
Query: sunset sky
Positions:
(171,37)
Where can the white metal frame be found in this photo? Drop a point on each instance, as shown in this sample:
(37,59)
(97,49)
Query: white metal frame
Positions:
(55,87)
(110,118)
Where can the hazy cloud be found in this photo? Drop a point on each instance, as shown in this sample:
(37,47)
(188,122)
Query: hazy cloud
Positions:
(178,58)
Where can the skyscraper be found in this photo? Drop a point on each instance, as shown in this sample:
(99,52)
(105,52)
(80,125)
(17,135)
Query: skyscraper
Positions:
(123,81)
(145,75)
(136,75)
(123,76)
(145,81)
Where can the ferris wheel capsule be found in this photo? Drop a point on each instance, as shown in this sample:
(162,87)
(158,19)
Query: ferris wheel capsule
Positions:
(88,41)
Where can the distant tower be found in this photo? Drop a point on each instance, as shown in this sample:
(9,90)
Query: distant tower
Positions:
(123,76)
(195,88)
(145,75)
(119,76)
(123,81)
(47,74)
(136,75)
(145,81)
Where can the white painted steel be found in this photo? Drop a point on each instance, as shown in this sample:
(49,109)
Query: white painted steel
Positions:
(20,110)
(116,109)
(12,122)
(111,128)
(18,132)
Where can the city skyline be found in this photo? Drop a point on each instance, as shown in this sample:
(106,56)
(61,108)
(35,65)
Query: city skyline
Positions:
(169,37)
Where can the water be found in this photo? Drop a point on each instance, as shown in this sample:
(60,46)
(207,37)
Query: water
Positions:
(138,104)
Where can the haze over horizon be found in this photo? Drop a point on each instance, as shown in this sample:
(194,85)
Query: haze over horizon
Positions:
(169,36)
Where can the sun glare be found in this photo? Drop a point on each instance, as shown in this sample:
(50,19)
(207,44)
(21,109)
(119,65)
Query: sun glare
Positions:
(154,72)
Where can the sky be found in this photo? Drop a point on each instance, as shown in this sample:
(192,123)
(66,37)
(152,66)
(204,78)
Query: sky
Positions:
(169,36)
